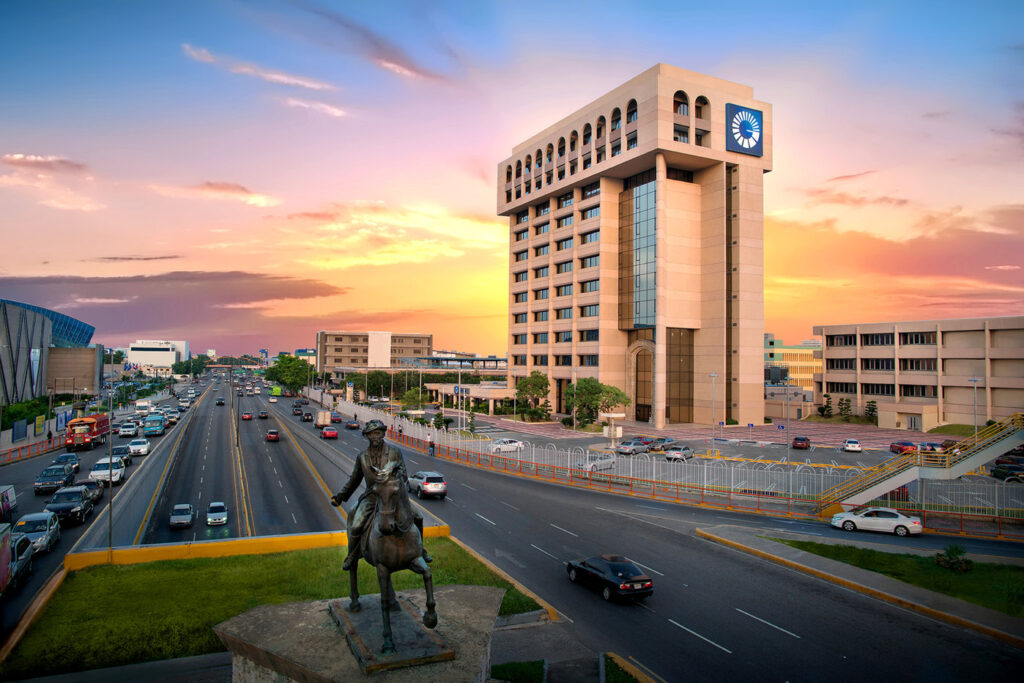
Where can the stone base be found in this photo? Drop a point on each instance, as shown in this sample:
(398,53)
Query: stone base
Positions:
(415,644)
(301,641)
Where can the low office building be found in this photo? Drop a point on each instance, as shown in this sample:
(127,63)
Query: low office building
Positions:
(925,373)
(157,353)
(791,363)
(636,248)
(340,351)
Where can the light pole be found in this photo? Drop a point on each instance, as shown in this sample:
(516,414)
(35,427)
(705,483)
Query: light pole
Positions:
(713,376)
(575,399)
(789,441)
(974,381)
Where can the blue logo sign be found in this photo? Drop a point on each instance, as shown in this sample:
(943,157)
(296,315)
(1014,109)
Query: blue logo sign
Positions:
(750,424)
(744,130)
(782,427)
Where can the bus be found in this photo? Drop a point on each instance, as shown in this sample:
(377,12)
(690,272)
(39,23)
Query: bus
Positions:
(154,425)
(275,391)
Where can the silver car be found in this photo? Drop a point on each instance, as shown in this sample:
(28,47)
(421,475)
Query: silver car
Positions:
(678,453)
(507,446)
(182,516)
(138,447)
(42,528)
(216,514)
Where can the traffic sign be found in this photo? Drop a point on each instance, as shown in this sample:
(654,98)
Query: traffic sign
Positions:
(456,388)
(350,385)
(782,427)
(750,424)
(721,424)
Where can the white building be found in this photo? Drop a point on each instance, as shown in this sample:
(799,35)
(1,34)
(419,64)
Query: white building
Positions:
(211,354)
(157,353)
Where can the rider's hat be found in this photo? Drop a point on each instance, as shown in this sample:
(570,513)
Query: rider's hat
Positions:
(374,425)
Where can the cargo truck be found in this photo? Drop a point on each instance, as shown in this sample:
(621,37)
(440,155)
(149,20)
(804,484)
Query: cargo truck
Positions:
(142,408)
(8,503)
(86,432)
(323,419)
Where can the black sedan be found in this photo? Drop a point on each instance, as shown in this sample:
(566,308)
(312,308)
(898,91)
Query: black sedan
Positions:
(307,417)
(613,575)
(296,411)
(351,424)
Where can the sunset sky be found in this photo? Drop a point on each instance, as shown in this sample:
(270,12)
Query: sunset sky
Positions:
(243,174)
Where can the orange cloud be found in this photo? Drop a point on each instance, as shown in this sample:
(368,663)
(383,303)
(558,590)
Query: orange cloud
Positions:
(53,164)
(217,190)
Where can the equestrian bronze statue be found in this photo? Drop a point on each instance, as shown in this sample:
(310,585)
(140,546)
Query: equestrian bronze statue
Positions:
(384,528)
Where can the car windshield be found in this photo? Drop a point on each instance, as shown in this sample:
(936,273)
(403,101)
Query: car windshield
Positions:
(181,509)
(30,525)
(435,480)
(53,471)
(66,497)
(622,569)
(138,442)
(101,467)
(120,450)
(217,508)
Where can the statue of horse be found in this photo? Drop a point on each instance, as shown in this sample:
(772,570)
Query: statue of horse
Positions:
(392,543)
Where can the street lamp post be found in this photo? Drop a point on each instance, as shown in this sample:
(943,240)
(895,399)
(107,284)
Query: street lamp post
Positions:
(789,441)
(575,399)
(974,381)
(713,376)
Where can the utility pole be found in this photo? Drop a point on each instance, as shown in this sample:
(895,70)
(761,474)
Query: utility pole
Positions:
(713,375)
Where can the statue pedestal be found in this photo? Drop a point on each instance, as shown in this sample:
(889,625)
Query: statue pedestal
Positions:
(303,642)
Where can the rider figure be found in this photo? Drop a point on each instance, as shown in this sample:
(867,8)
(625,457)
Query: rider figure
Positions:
(377,455)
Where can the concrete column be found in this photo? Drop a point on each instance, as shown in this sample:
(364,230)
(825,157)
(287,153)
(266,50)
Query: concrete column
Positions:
(660,356)
(490,406)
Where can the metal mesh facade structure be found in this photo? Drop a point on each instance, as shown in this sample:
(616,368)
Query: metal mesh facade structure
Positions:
(25,335)
(67,332)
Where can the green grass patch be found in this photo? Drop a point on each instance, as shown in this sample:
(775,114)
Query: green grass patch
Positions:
(519,672)
(996,586)
(613,673)
(114,615)
(954,430)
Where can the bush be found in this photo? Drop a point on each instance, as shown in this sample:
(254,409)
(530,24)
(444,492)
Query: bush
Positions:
(567,421)
(953,559)
(730,421)
(768,420)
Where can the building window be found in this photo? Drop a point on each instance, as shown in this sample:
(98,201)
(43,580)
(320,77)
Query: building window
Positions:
(522,255)
(699,139)
(589,335)
(518,338)
(523,216)
(877,364)
(591,190)
(564,244)
(561,172)
(519,298)
(563,360)
(563,290)
(589,311)
(616,120)
(519,318)
(590,261)
(540,338)
(563,267)
(540,360)
(565,200)
(519,360)
(592,212)
(841,340)
(590,286)
(572,167)
(542,250)
(539,294)
(564,221)
(840,388)
(631,142)
(522,235)
(877,389)
(541,229)
(915,338)
(631,112)
(616,149)
(588,237)
(681,134)
(586,134)
(839,364)
(588,360)
(586,159)
(918,391)
(877,339)
(681,103)
(541,272)
(543,209)
(564,336)
(918,364)
(508,196)
(518,277)
(563,313)
(540,316)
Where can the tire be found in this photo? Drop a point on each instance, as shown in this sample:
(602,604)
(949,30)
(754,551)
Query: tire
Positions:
(849,526)
(900,530)
(572,575)
(606,593)
(419,493)
(443,496)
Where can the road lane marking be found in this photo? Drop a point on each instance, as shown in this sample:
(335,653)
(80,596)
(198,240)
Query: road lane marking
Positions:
(450,499)
(468,487)
(646,607)
(565,530)
(543,551)
(293,518)
(485,519)
(694,633)
(767,622)
(507,505)
(200,480)
(286,500)
(279,483)
(645,566)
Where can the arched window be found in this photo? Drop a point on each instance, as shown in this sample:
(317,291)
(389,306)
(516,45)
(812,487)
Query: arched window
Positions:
(538,157)
(508,174)
(681,103)
(600,127)
(527,166)
(572,141)
(631,111)
(550,153)
(519,169)
(702,108)
(586,134)
(616,119)
(561,147)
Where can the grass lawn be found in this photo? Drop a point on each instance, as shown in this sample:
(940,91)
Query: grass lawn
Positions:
(613,673)
(996,586)
(519,672)
(113,615)
(955,430)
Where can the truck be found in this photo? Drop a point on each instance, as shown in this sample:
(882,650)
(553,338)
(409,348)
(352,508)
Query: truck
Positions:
(86,432)
(275,391)
(323,419)
(154,425)
(8,503)
(142,408)
(16,555)
(5,556)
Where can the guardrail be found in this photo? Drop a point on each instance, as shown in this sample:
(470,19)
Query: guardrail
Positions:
(32,449)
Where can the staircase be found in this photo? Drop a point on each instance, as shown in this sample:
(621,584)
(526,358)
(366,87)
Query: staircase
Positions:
(971,453)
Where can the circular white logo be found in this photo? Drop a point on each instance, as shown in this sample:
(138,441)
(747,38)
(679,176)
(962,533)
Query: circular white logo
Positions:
(746,129)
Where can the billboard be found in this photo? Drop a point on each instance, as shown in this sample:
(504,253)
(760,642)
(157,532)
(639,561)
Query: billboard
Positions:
(744,130)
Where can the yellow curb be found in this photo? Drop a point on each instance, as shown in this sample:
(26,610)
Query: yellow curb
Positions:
(32,613)
(631,668)
(880,595)
(552,612)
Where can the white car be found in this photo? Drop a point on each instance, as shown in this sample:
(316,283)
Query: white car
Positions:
(272,399)
(138,447)
(678,453)
(885,520)
(216,514)
(181,516)
(107,473)
(128,429)
(507,446)
(597,464)
(851,446)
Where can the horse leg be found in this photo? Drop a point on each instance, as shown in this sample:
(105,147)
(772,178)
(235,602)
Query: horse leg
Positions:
(420,566)
(394,598)
(384,579)
(353,582)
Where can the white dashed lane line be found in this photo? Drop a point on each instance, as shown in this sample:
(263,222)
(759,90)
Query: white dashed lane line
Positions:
(767,623)
(485,519)
(694,633)
(543,551)
(565,530)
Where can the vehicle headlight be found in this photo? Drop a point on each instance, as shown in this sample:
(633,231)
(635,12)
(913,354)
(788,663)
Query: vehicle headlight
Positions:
(77,508)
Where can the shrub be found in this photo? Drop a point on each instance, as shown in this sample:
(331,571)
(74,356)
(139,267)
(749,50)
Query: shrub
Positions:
(730,421)
(567,421)
(953,559)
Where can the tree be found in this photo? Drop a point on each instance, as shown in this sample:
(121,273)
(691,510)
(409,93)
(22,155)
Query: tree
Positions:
(871,411)
(590,398)
(439,421)
(845,408)
(413,399)
(472,423)
(117,360)
(531,390)
(378,383)
(290,372)
(828,406)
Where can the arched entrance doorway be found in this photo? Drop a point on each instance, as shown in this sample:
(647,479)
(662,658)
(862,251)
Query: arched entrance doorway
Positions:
(641,379)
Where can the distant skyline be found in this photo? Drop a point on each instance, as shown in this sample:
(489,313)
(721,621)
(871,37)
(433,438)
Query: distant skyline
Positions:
(243,174)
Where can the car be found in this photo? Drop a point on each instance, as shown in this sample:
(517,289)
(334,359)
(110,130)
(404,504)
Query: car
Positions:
(262,415)
(42,528)
(71,503)
(247,416)
(335,417)
(851,446)
(296,410)
(216,514)
(1010,460)
(68,459)
(181,516)
(304,401)
(507,446)
(596,463)
(425,484)
(272,399)
(171,418)
(241,393)
(886,520)
(138,447)
(93,487)
(902,447)
(645,440)
(219,402)
(661,443)
(931,447)
(1009,473)
(53,477)
(107,470)
(614,576)
(328,433)
(632,447)
(128,429)
(123,452)
(307,417)
(273,435)
(115,429)
(678,453)
(352,424)
(801,442)
(22,553)
(950,444)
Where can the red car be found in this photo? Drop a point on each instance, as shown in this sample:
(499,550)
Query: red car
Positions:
(272,435)
(335,417)
(801,442)
(246,416)
(902,447)
(328,433)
